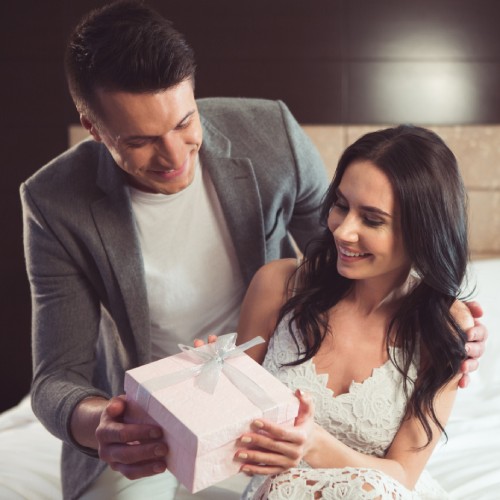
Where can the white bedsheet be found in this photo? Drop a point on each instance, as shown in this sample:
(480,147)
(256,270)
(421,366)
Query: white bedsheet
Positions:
(468,466)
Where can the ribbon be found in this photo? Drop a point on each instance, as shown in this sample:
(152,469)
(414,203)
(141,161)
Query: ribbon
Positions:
(210,364)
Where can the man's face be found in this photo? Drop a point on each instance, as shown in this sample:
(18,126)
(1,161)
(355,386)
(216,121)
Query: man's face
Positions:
(153,137)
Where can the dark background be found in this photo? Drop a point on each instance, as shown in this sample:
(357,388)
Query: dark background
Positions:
(332,61)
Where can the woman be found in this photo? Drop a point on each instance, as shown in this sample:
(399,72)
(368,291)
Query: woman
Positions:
(369,325)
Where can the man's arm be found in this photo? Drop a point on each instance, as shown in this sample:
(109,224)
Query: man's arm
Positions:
(65,323)
(66,314)
(312,182)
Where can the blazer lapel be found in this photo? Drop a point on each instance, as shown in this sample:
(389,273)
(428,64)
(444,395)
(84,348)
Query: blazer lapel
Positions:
(237,189)
(236,186)
(115,223)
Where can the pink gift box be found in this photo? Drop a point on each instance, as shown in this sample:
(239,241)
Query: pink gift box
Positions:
(201,428)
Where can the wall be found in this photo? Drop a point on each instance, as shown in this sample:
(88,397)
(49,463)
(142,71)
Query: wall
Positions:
(477,149)
(342,62)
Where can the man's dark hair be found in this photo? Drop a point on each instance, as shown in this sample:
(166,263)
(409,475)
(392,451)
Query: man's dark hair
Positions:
(125,46)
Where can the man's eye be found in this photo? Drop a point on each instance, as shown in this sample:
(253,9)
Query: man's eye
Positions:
(183,125)
(136,144)
(340,207)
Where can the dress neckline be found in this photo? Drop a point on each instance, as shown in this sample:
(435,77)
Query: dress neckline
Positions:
(324,377)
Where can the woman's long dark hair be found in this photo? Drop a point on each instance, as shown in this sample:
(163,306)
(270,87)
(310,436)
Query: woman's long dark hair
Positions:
(433,206)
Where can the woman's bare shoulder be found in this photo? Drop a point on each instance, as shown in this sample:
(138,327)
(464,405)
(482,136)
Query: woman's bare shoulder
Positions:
(271,281)
(281,268)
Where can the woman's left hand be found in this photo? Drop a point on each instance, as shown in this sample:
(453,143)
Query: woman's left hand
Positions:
(273,448)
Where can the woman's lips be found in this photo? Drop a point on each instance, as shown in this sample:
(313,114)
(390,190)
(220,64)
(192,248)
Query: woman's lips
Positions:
(350,255)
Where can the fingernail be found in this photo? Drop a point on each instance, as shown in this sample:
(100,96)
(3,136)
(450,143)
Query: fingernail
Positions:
(160,451)
(467,349)
(246,439)
(155,433)
(246,471)
(258,424)
(243,455)
(158,468)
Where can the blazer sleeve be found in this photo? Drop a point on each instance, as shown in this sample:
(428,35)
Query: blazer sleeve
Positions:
(65,323)
(311,179)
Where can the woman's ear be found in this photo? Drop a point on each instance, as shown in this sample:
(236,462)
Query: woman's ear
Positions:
(90,127)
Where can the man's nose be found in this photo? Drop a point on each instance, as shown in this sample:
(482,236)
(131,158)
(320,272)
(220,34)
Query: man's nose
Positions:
(170,149)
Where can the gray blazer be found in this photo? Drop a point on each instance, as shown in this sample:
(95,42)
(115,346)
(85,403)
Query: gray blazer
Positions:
(90,314)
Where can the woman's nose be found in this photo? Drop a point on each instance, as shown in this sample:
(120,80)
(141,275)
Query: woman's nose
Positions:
(348,229)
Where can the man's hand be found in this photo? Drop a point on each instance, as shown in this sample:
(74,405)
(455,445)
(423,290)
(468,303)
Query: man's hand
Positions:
(476,336)
(134,449)
(211,339)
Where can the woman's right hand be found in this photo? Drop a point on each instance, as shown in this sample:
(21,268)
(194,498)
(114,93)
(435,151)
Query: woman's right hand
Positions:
(274,448)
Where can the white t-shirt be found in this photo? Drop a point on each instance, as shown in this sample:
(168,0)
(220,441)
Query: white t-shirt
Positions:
(193,280)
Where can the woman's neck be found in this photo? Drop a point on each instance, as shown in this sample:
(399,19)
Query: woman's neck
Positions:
(377,295)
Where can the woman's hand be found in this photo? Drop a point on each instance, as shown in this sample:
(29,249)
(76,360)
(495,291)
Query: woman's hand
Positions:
(273,448)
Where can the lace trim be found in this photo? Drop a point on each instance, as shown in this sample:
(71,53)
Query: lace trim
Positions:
(366,418)
(347,484)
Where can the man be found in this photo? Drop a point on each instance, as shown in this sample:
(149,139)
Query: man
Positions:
(148,235)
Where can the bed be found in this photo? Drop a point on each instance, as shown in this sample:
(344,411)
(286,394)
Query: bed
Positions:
(468,465)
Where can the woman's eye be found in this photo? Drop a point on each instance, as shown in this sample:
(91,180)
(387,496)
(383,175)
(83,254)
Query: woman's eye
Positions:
(373,222)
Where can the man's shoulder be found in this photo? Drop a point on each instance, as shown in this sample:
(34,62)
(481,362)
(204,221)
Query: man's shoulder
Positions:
(77,161)
(213,107)
(249,119)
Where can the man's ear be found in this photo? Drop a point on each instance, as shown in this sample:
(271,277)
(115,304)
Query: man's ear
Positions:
(89,126)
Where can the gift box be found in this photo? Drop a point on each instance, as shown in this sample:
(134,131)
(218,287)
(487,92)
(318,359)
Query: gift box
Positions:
(205,399)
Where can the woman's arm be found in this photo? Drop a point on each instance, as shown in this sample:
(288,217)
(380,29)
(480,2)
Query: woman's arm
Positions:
(265,296)
(274,448)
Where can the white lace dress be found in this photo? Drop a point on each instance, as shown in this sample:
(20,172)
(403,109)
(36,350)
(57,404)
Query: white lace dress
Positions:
(366,418)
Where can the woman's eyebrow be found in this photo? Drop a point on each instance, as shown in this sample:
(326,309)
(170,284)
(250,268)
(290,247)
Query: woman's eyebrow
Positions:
(366,208)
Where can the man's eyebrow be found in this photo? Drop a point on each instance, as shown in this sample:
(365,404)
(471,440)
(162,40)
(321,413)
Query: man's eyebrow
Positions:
(366,208)
(138,137)
(187,115)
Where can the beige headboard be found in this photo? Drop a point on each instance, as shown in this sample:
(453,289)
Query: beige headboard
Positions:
(476,147)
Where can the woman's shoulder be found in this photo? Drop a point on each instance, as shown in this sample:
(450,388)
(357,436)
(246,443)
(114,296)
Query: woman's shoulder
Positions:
(280,268)
(272,281)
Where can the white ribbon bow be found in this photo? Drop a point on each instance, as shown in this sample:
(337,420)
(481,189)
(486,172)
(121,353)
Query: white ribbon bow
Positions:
(208,371)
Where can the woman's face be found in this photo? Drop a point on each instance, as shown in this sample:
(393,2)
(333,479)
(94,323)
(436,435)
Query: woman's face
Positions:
(365,224)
